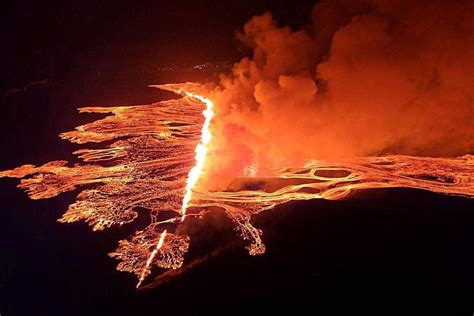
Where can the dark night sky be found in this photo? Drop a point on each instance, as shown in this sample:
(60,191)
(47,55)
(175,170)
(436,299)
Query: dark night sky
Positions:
(399,252)
(44,39)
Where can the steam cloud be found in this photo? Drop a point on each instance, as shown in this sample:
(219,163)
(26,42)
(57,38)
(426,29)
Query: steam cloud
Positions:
(366,77)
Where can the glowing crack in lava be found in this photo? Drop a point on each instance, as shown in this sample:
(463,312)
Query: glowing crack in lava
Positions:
(201,151)
(146,270)
(159,153)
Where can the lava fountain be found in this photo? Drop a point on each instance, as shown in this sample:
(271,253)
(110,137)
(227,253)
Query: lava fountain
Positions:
(193,176)
(201,151)
(157,157)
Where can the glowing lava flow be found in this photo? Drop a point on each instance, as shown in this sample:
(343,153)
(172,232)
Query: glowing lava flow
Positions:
(146,270)
(153,155)
(201,152)
(193,176)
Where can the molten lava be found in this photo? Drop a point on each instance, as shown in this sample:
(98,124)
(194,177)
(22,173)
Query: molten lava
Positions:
(158,157)
(201,151)
(146,270)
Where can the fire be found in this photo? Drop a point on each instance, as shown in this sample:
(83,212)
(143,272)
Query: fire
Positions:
(201,151)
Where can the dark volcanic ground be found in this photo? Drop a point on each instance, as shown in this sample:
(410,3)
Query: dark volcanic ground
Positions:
(387,251)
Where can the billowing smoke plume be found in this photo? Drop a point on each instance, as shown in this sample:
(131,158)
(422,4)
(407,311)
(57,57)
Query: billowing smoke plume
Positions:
(367,77)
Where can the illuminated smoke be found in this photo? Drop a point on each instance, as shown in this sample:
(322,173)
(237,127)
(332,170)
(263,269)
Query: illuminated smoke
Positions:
(362,78)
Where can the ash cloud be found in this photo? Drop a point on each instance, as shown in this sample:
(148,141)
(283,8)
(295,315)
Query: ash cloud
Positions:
(364,77)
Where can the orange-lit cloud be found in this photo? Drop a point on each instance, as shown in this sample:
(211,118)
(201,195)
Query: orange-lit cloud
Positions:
(365,78)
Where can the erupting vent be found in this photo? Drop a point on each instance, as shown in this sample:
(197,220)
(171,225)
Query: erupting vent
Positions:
(162,153)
